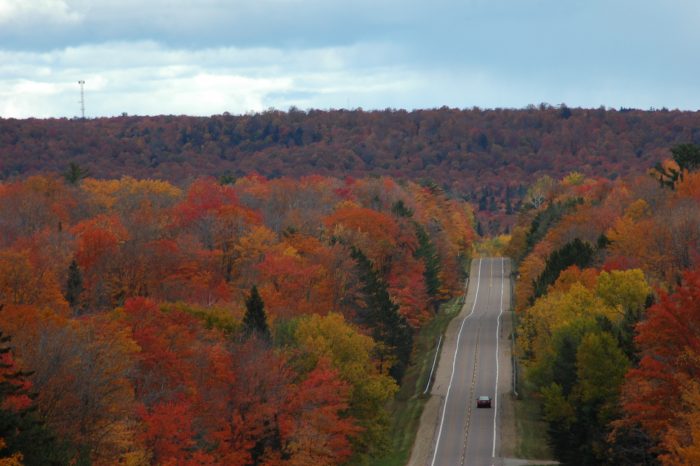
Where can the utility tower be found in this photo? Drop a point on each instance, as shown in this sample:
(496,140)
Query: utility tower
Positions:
(82,98)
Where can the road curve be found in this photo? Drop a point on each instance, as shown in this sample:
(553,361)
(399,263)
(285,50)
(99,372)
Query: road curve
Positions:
(472,364)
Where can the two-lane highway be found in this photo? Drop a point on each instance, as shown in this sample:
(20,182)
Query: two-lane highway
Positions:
(471,366)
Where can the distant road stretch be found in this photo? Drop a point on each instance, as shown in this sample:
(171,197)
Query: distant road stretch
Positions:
(472,364)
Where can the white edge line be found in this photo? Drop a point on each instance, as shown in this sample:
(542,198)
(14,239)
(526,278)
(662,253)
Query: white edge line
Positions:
(454,363)
(432,368)
(498,332)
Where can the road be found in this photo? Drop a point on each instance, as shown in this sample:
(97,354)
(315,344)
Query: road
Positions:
(472,364)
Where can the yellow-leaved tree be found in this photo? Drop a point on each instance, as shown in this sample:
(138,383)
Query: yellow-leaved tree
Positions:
(683,438)
(350,353)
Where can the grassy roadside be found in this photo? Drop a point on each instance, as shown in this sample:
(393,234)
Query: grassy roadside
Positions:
(530,428)
(407,406)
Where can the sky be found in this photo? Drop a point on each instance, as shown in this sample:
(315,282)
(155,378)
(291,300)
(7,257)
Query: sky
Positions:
(205,57)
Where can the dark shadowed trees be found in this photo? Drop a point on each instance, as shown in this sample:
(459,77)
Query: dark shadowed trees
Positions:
(255,319)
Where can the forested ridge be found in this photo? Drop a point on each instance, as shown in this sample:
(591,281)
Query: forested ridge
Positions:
(608,304)
(180,290)
(486,156)
(264,322)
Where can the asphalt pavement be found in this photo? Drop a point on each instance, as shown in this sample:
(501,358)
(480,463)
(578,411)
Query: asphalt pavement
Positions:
(472,364)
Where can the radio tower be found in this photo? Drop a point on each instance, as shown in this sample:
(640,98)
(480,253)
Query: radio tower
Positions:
(82,98)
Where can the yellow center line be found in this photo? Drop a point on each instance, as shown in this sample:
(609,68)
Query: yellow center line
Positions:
(471,396)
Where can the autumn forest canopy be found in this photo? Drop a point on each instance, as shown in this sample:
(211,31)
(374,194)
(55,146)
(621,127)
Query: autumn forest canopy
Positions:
(488,157)
(261,322)
(248,290)
(608,305)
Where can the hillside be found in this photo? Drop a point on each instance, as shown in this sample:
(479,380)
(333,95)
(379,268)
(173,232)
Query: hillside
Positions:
(485,156)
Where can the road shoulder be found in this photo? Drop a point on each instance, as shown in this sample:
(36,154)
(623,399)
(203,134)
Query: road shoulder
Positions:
(423,445)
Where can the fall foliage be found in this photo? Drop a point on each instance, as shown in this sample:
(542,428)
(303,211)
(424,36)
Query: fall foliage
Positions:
(261,322)
(607,302)
(490,157)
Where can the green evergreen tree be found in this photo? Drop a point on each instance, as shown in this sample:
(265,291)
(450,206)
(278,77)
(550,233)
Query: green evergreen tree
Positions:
(493,207)
(400,210)
(255,319)
(483,201)
(603,242)
(75,173)
(428,254)
(227,178)
(687,156)
(20,426)
(479,229)
(381,315)
(74,285)
(575,252)
(599,366)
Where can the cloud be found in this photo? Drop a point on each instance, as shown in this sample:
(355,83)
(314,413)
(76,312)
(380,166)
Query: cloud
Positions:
(240,55)
(147,78)
(204,23)
(439,26)
(44,11)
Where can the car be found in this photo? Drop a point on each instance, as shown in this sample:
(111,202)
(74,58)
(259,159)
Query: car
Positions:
(483,402)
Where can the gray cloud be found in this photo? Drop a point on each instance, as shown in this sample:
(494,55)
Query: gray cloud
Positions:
(163,80)
(239,55)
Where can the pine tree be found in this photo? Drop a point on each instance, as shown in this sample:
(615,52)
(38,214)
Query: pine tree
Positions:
(21,430)
(576,252)
(400,210)
(75,173)
(381,315)
(74,285)
(687,156)
(428,254)
(509,205)
(255,319)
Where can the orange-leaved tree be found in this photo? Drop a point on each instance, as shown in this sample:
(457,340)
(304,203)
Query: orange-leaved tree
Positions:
(669,342)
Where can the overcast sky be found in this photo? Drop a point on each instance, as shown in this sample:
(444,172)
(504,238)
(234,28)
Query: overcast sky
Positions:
(211,56)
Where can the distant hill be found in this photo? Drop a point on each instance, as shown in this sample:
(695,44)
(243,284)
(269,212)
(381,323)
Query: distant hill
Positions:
(486,156)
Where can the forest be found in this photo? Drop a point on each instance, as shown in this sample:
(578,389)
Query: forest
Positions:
(181,291)
(488,157)
(608,297)
(258,322)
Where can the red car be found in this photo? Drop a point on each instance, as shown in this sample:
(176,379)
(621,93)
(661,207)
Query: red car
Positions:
(483,402)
